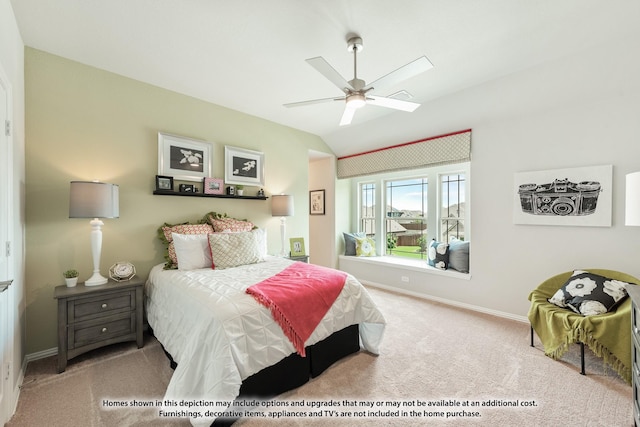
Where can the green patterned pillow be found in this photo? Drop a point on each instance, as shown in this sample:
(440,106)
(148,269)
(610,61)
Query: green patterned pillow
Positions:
(365,246)
(234,249)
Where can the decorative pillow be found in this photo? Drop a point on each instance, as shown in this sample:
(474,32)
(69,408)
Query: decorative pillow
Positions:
(165,234)
(261,239)
(192,251)
(230,225)
(459,255)
(438,255)
(365,246)
(350,242)
(589,294)
(234,249)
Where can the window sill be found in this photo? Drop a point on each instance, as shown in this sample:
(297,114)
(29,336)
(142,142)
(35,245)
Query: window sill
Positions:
(406,264)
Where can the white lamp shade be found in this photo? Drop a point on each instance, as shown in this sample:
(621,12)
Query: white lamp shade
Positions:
(632,199)
(282,205)
(92,199)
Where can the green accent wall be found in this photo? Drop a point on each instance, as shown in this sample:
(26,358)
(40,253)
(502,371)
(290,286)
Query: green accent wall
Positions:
(83,123)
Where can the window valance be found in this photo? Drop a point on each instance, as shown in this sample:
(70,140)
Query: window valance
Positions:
(439,150)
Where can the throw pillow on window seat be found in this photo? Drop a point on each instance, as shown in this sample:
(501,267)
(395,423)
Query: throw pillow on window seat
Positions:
(350,242)
(438,255)
(459,255)
(365,246)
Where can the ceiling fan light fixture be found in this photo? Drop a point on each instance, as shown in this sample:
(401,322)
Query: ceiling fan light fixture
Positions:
(356,100)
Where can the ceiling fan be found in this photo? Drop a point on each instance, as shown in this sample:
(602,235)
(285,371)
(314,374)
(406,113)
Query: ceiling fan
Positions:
(357,91)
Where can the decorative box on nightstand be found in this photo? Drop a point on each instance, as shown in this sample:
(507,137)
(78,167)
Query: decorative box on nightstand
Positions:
(302,258)
(91,317)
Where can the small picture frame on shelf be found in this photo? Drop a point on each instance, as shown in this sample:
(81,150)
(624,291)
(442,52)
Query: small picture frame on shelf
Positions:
(213,186)
(187,188)
(164,183)
(297,246)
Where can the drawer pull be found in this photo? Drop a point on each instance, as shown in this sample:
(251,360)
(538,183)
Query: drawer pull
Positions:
(104,305)
(104,330)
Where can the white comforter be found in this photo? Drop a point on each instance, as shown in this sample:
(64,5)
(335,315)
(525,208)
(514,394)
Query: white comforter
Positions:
(219,335)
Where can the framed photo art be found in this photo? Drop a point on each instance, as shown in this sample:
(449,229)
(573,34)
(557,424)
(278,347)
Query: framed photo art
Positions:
(579,196)
(213,186)
(164,183)
(243,167)
(316,202)
(183,158)
(297,246)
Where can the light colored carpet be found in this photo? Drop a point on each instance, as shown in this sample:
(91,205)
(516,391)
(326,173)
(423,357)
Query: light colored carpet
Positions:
(431,352)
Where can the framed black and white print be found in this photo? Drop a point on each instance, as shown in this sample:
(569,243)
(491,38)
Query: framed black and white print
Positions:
(243,167)
(579,196)
(183,158)
(316,202)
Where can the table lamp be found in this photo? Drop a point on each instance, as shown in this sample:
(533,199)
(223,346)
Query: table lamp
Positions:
(282,206)
(93,199)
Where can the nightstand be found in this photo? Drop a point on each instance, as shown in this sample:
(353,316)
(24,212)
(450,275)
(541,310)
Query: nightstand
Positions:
(91,317)
(302,258)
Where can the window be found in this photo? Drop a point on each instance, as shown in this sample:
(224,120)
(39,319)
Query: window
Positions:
(406,217)
(367,222)
(453,207)
(409,213)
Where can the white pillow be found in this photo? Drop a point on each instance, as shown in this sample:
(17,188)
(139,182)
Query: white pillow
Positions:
(192,251)
(261,238)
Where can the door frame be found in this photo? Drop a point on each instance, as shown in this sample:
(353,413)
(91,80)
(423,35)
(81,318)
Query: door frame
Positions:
(7,269)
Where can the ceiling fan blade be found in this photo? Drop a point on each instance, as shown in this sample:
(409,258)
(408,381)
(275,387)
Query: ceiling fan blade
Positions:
(396,104)
(347,116)
(311,101)
(324,68)
(405,72)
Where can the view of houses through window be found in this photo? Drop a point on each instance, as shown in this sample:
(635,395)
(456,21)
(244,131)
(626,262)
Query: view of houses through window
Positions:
(411,218)
(406,217)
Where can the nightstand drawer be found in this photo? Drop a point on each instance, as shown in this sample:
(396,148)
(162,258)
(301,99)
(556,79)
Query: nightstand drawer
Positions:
(93,331)
(89,308)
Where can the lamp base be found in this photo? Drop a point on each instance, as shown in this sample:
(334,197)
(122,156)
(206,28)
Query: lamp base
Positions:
(95,280)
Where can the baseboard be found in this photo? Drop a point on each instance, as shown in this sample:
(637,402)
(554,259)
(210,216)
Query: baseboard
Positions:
(453,303)
(40,354)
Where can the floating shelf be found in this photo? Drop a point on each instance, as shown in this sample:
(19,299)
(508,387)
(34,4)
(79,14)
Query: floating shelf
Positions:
(220,196)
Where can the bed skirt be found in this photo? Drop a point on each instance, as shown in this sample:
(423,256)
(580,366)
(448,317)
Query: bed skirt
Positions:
(294,370)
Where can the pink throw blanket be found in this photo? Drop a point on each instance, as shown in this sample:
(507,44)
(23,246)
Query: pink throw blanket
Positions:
(299,297)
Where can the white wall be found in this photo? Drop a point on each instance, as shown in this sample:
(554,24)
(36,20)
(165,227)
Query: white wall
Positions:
(322,172)
(12,63)
(576,111)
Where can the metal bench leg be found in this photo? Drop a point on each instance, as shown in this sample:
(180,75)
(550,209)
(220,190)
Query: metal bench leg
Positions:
(582,358)
(531,336)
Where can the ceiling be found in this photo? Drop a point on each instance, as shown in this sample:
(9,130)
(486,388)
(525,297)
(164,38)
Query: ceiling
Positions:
(249,55)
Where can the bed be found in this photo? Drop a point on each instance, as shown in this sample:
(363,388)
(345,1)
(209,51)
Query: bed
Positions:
(227,345)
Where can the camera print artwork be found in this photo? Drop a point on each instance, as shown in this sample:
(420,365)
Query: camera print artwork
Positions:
(573,197)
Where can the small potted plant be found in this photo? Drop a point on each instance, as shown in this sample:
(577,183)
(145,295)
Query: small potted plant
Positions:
(71,277)
(239,190)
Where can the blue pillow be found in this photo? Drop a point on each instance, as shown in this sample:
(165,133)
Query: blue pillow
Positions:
(459,255)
